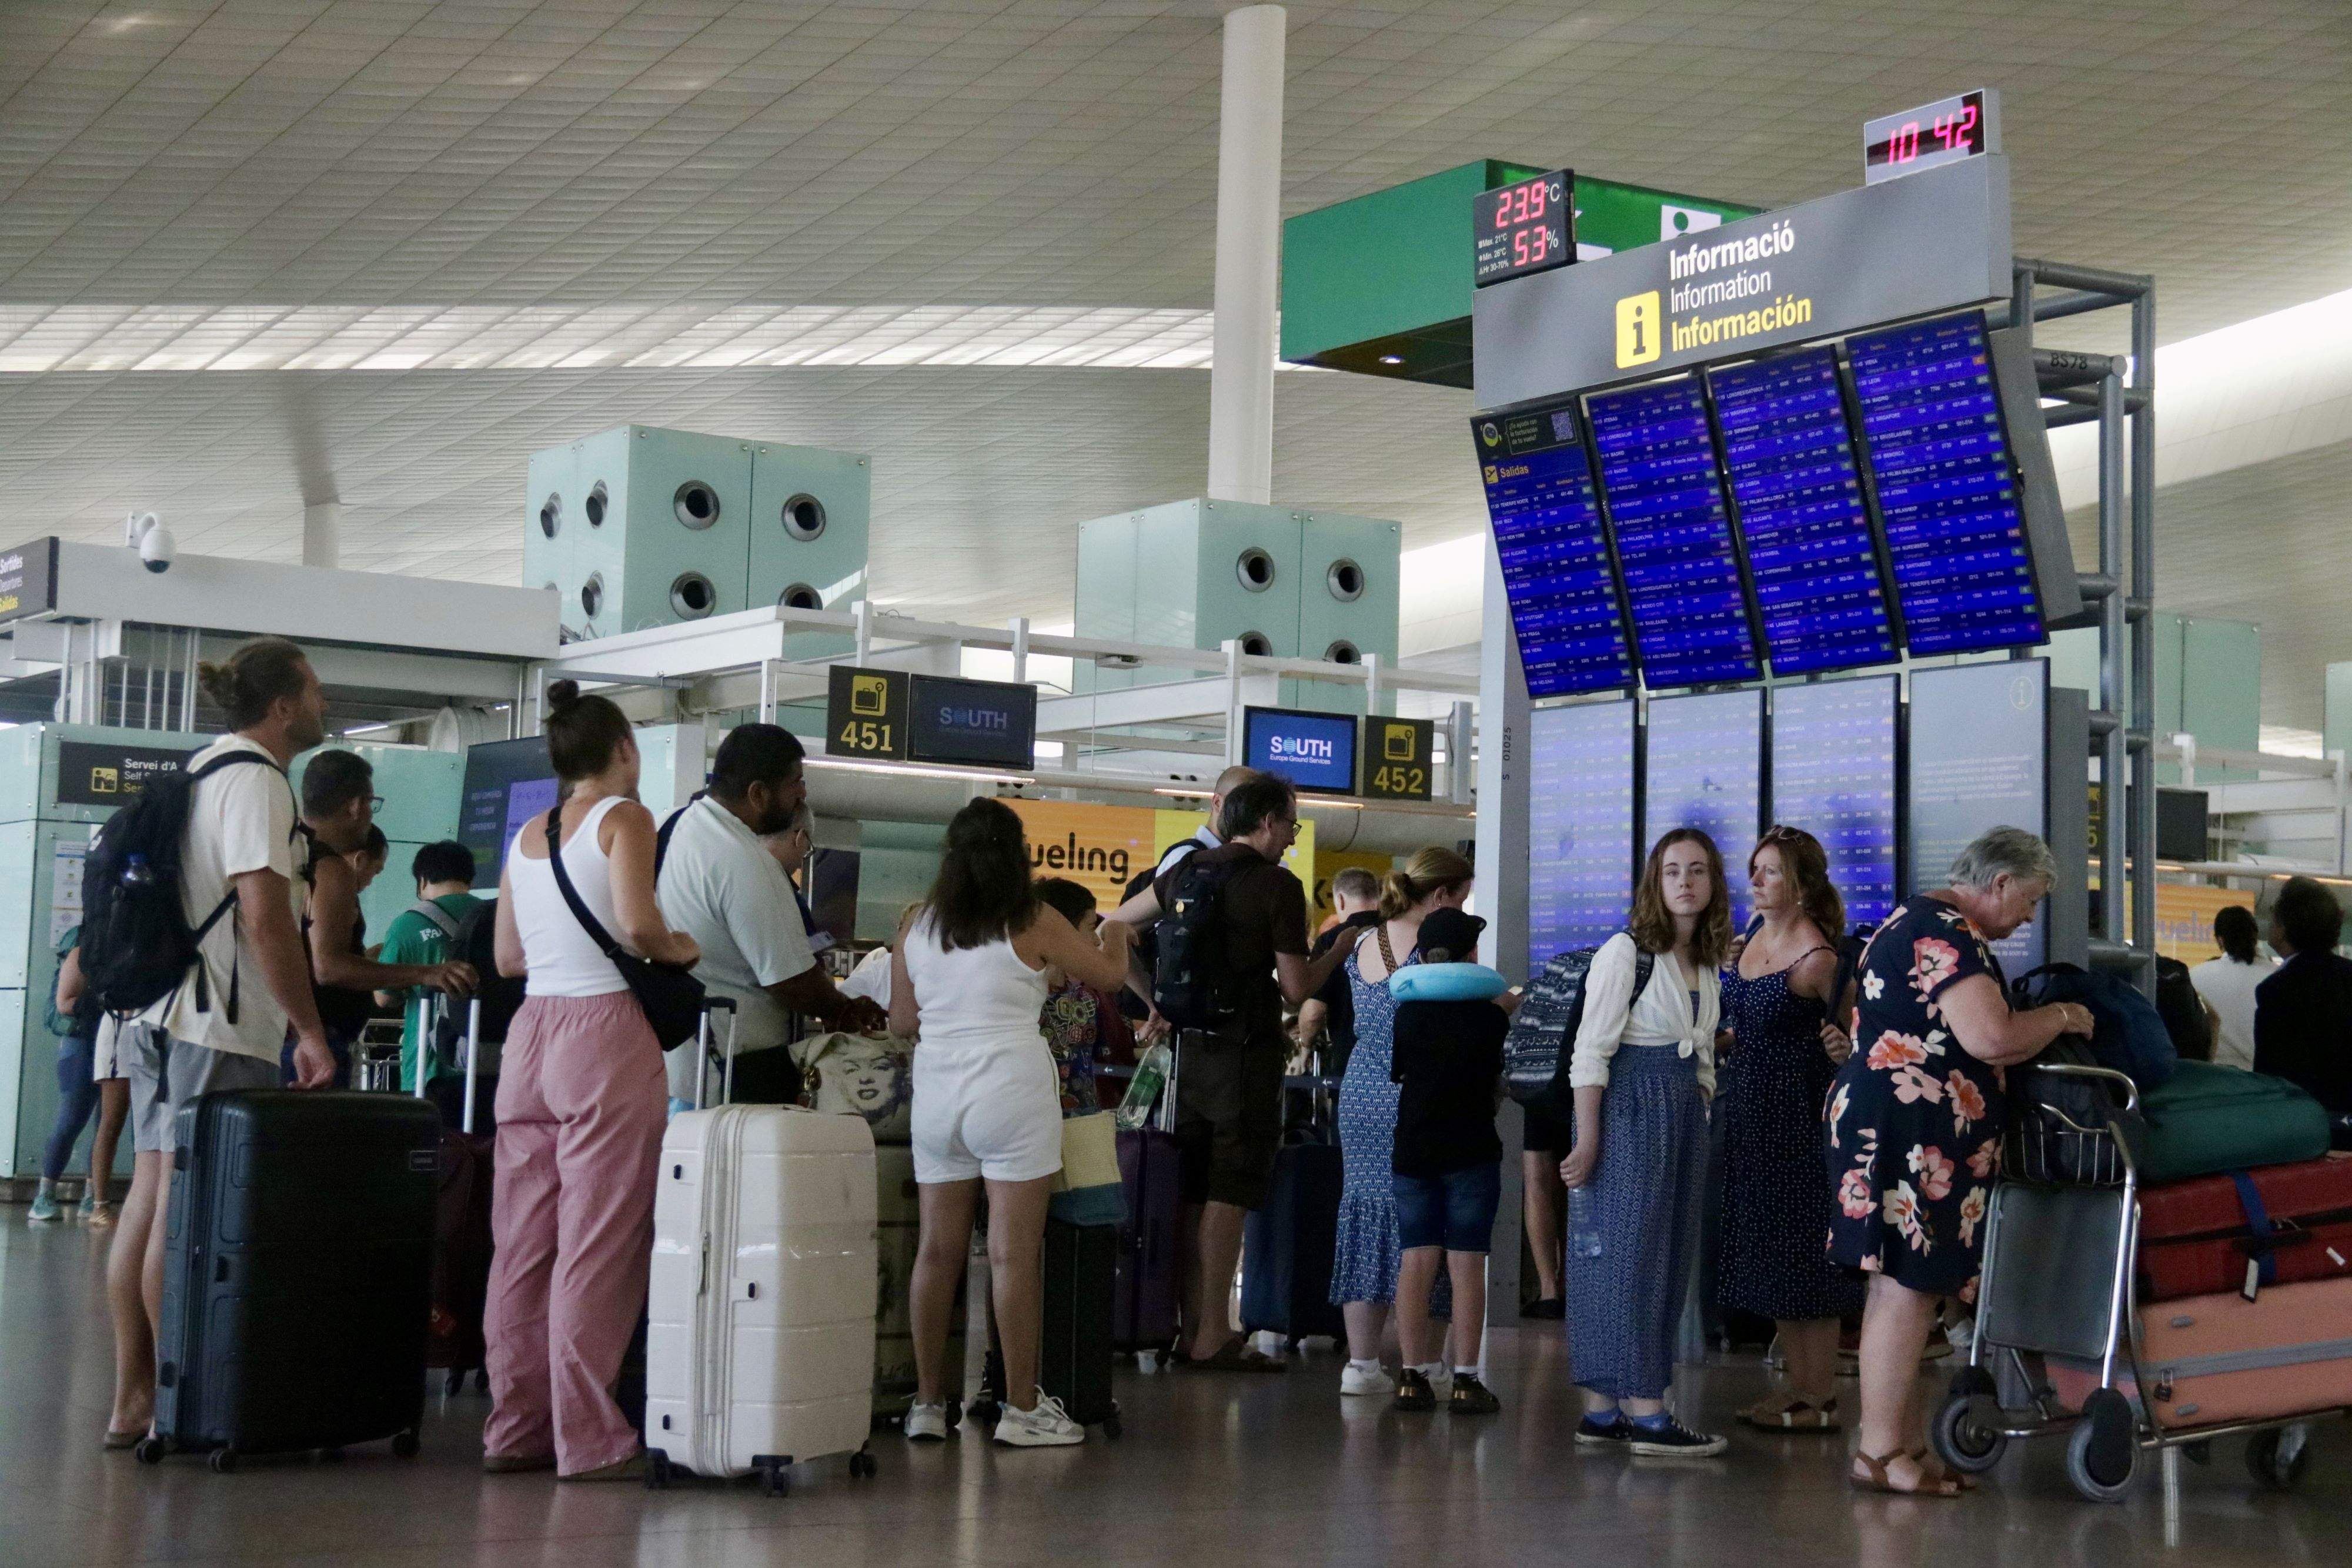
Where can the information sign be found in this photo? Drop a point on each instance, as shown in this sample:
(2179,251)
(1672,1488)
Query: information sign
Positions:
(1398,759)
(865,712)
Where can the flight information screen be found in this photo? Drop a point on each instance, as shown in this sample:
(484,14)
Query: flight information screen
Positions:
(1555,560)
(1705,770)
(1580,827)
(507,783)
(1790,456)
(1981,759)
(1673,534)
(1947,489)
(1833,775)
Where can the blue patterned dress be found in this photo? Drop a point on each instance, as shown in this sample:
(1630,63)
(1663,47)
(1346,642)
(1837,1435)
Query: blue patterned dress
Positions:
(1365,1253)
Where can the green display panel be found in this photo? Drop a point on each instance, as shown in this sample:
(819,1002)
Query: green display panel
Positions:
(1382,284)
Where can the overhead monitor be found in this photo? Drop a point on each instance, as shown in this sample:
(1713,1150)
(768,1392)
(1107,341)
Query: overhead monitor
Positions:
(979,724)
(1981,759)
(1833,757)
(1316,751)
(507,783)
(1664,495)
(1554,558)
(1948,491)
(1789,454)
(1580,827)
(1704,769)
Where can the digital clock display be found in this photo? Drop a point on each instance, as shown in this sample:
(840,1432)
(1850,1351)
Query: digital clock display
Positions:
(1522,228)
(1930,136)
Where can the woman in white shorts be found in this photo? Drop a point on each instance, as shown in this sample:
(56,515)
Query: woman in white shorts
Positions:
(968,977)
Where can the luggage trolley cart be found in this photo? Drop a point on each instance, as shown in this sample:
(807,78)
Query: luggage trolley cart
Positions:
(2071,1191)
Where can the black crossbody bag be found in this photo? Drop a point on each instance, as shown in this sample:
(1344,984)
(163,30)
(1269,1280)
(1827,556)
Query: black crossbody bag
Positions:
(670,996)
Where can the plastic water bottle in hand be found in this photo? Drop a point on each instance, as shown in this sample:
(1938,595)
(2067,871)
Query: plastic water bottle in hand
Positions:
(1143,1089)
(1583,1223)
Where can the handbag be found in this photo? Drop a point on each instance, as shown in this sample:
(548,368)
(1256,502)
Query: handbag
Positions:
(1088,1191)
(669,994)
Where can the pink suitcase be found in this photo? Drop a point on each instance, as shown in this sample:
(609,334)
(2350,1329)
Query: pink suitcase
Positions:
(2212,1359)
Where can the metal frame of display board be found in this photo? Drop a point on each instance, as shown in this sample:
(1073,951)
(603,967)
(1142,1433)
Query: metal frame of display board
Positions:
(2119,396)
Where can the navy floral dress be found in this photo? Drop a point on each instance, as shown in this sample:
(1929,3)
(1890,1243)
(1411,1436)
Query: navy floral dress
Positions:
(1914,1120)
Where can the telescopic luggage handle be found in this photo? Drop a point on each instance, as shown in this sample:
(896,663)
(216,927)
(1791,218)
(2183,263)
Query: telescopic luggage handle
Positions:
(711,1004)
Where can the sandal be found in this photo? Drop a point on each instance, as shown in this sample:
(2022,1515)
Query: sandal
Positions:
(1768,1411)
(1876,1481)
(1797,1416)
(1933,1468)
(1237,1355)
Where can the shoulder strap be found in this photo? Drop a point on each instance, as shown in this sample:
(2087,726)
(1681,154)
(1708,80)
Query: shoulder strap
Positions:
(436,916)
(580,911)
(1645,963)
(669,826)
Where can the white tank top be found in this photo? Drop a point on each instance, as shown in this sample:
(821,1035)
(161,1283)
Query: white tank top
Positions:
(561,958)
(973,999)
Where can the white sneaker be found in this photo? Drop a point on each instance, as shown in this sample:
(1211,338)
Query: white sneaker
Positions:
(927,1423)
(1375,1384)
(1047,1427)
(1441,1382)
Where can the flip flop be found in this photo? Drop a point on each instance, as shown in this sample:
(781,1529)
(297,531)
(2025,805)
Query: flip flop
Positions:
(1237,1355)
(1798,1416)
(1876,1481)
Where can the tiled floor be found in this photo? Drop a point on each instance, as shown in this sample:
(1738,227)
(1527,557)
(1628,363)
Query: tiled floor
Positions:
(1230,1471)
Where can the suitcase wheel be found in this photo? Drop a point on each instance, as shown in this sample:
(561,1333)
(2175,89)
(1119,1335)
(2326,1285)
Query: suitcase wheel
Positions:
(657,1468)
(224,1461)
(863,1465)
(2276,1458)
(775,1473)
(2104,1450)
(150,1450)
(1111,1427)
(1962,1436)
(405,1445)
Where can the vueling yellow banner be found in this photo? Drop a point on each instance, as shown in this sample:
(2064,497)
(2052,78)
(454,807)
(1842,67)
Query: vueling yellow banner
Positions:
(1100,847)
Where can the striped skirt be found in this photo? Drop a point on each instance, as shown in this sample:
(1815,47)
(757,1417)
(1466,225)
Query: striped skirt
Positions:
(1626,1297)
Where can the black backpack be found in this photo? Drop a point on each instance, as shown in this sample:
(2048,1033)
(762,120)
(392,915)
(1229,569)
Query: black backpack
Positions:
(2183,1013)
(1192,984)
(1542,1039)
(137,946)
(477,943)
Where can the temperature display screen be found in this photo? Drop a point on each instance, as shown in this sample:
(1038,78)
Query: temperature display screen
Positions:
(1928,138)
(1790,456)
(1947,490)
(1833,775)
(1705,769)
(1522,228)
(1580,827)
(1555,560)
(1673,534)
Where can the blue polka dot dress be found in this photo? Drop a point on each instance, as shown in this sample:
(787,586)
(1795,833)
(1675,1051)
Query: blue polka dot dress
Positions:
(1365,1256)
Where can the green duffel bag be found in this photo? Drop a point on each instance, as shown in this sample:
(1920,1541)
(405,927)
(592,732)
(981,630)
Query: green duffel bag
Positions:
(2208,1119)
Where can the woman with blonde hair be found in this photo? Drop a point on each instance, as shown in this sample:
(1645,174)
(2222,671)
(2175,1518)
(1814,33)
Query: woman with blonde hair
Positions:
(1785,1049)
(1642,1070)
(1366,1253)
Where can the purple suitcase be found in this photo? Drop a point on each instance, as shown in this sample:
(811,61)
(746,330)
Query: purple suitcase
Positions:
(1143,1300)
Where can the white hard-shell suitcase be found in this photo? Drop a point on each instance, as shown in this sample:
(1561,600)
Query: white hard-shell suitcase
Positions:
(760,1332)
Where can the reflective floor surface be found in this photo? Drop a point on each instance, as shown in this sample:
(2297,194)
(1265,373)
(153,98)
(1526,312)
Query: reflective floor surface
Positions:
(1229,1470)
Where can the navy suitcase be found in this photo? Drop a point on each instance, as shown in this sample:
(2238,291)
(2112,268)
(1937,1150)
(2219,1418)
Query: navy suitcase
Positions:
(1286,1246)
(1144,1289)
(298,1273)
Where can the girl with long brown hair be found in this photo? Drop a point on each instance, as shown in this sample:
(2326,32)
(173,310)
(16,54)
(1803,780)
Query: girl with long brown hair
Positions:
(1777,1204)
(1642,1070)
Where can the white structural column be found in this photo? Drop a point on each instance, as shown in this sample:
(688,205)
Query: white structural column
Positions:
(1249,243)
(322,533)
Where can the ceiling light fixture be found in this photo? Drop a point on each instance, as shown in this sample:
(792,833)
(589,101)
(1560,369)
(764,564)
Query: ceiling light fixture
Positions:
(1391,359)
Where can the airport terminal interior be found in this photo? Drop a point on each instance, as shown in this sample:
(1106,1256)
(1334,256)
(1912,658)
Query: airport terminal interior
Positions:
(1875,455)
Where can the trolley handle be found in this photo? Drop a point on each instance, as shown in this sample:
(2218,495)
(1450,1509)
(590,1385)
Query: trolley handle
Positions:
(2075,1070)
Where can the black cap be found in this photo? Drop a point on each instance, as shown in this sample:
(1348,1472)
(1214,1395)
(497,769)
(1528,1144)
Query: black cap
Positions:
(1449,937)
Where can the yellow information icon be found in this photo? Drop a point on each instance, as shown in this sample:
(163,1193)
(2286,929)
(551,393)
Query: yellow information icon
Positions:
(869,695)
(105,781)
(1398,745)
(1638,340)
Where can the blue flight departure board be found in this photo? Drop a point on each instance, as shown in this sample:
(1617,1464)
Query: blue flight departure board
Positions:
(1705,769)
(1833,775)
(1554,558)
(1666,505)
(1580,827)
(1981,759)
(1790,456)
(1947,490)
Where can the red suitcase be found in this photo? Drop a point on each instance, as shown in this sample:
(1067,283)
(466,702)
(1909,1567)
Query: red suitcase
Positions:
(2200,1238)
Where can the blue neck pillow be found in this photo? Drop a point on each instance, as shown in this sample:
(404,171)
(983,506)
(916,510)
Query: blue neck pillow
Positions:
(1446,983)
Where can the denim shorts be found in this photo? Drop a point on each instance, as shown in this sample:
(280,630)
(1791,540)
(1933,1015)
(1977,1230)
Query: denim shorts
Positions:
(1456,1211)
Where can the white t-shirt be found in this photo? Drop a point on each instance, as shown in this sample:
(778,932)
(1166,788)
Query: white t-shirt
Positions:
(2230,986)
(240,820)
(871,979)
(720,886)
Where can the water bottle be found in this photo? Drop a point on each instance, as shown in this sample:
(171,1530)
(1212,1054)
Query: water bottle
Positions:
(136,871)
(1583,1223)
(1143,1089)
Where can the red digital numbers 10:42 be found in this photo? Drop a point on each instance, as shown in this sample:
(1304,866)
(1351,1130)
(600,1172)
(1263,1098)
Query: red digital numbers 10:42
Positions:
(1952,133)
(1522,205)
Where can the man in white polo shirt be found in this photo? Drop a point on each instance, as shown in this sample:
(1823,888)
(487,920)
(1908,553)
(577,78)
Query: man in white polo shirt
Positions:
(720,886)
(225,1026)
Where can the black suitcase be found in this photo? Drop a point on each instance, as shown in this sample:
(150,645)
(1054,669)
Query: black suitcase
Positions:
(298,1273)
(1075,1359)
(1286,1246)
